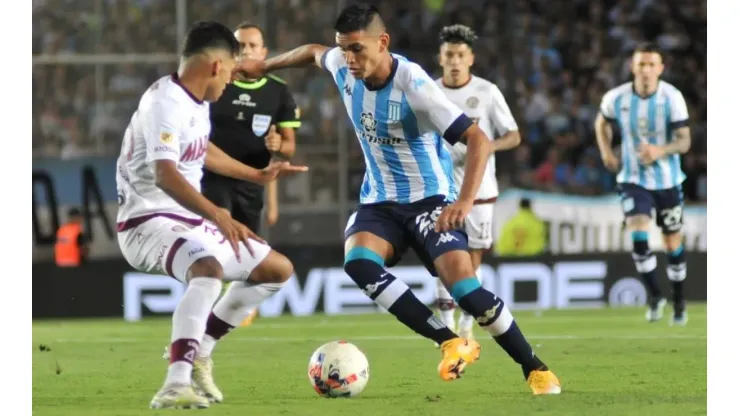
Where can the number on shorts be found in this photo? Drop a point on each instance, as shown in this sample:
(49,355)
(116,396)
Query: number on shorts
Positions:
(485,231)
(672,216)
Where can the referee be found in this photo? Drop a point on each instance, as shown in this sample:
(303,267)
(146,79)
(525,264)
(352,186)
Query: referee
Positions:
(253,121)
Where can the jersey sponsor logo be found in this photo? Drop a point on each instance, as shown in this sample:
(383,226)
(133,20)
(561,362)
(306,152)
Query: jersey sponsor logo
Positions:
(369,123)
(195,150)
(472,102)
(164,149)
(245,100)
(260,124)
(166,137)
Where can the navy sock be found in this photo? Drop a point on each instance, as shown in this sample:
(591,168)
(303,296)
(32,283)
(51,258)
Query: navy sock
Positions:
(645,262)
(366,269)
(494,316)
(677,274)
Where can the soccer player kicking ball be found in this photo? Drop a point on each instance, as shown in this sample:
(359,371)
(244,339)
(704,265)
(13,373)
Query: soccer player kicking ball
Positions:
(408,197)
(166,226)
(483,103)
(653,119)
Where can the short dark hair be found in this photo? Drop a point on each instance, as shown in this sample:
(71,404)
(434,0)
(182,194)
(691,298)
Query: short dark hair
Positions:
(209,34)
(525,203)
(648,47)
(249,25)
(356,17)
(457,34)
(74,212)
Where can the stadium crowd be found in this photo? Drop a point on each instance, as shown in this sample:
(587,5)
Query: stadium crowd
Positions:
(553,60)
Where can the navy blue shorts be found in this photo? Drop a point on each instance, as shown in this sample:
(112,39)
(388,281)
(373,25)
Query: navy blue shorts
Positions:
(408,225)
(668,204)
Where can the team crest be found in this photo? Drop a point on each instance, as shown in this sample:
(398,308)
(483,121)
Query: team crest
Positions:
(368,122)
(472,102)
(394,111)
(260,124)
(165,138)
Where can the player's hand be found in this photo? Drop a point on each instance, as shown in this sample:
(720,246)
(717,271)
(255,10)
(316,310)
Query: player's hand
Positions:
(279,168)
(610,161)
(453,216)
(273,140)
(250,68)
(235,232)
(649,153)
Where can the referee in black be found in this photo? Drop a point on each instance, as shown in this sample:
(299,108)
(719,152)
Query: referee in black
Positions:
(253,122)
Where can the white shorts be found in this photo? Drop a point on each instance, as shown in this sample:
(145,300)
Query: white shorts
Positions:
(167,246)
(479,226)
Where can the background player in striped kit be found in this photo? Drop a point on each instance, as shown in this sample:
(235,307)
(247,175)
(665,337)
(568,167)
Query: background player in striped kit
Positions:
(483,102)
(400,116)
(652,117)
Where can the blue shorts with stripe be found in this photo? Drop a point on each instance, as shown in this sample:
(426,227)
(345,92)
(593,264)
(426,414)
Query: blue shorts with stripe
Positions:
(668,205)
(408,225)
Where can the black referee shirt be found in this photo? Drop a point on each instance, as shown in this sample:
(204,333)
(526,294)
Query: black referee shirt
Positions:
(240,120)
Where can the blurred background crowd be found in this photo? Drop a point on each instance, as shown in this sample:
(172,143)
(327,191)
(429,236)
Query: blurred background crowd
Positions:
(553,60)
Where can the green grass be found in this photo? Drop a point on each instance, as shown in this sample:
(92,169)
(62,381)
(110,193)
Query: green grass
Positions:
(610,362)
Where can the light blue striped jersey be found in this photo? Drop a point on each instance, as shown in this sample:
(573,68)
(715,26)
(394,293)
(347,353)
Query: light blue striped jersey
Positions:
(400,126)
(649,120)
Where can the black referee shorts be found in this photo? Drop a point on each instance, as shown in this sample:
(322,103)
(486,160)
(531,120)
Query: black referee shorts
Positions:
(244,207)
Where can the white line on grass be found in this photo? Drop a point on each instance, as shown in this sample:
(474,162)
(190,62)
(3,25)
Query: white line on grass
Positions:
(391,338)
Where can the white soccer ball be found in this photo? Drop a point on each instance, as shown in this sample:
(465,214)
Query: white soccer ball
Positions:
(338,369)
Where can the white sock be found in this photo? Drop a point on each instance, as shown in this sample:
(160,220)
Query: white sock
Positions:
(236,304)
(189,325)
(466,321)
(444,299)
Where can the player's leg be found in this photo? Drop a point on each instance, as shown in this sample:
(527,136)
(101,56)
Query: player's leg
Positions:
(670,219)
(448,255)
(480,239)
(166,246)
(255,279)
(373,239)
(247,210)
(445,305)
(637,203)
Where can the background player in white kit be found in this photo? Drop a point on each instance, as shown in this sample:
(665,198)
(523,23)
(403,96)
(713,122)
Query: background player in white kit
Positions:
(166,226)
(483,102)
(652,118)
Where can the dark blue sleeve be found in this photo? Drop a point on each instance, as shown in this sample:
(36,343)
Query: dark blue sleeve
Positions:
(457,128)
(680,123)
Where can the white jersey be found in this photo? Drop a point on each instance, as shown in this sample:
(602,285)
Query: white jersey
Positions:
(169,124)
(482,101)
(647,120)
(400,126)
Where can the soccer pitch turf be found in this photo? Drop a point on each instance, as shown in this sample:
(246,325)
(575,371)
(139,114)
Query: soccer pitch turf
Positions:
(610,362)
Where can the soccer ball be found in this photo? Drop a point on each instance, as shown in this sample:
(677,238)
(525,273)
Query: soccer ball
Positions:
(338,369)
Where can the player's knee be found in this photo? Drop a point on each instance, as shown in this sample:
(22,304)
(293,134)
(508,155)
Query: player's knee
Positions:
(275,268)
(206,267)
(454,266)
(638,223)
(673,241)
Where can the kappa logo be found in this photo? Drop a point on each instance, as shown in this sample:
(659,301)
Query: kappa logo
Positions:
(373,287)
(445,238)
(488,315)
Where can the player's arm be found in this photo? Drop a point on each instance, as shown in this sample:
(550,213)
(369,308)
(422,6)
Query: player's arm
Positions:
(428,99)
(298,57)
(162,130)
(604,133)
(504,123)
(219,162)
(680,125)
